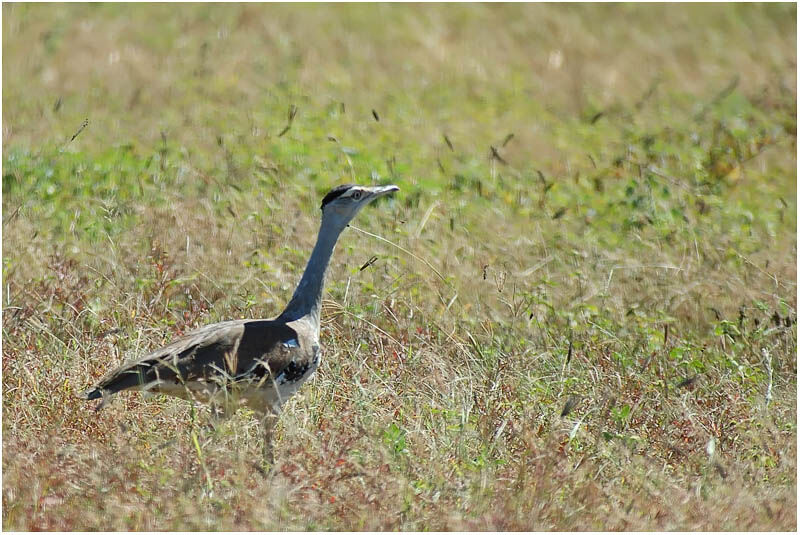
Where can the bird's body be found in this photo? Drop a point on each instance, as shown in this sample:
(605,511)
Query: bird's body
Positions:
(260,363)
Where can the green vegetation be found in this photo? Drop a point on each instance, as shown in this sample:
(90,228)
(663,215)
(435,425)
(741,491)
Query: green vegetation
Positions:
(595,328)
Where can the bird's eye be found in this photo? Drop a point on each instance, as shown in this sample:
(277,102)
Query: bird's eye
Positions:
(357,195)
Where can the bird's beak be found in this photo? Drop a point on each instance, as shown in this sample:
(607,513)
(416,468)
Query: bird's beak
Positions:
(379,191)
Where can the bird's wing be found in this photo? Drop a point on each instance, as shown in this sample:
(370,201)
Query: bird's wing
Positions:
(227,351)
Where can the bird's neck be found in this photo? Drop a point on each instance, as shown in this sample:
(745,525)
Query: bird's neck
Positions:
(307,298)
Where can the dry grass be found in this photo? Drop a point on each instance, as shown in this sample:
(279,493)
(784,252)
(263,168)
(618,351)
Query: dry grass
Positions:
(631,248)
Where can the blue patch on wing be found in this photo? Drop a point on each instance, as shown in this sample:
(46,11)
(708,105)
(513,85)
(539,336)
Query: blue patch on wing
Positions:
(291,343)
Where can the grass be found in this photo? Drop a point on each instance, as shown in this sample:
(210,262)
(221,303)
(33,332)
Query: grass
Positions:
(591,324)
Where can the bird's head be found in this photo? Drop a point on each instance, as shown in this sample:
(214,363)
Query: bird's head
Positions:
(342,203)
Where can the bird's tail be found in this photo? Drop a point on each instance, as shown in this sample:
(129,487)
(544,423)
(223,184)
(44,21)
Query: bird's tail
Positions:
(92,393)
(95,393)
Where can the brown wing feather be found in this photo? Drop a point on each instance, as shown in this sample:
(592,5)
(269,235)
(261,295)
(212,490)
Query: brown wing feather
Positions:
(238,350)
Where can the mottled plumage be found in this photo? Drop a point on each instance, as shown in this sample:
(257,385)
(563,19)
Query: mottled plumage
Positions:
(257,362)
(262,362)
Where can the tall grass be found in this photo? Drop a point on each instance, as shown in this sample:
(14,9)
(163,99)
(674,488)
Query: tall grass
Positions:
(582,315)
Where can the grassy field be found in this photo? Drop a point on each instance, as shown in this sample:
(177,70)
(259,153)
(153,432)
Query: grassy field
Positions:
(584,317)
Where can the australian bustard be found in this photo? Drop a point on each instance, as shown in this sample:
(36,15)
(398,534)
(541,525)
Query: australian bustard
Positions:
(257,362)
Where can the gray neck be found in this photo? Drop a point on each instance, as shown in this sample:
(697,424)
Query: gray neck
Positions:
(307,298)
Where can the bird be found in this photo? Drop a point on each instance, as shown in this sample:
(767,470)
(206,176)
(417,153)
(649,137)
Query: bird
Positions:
(259,363)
